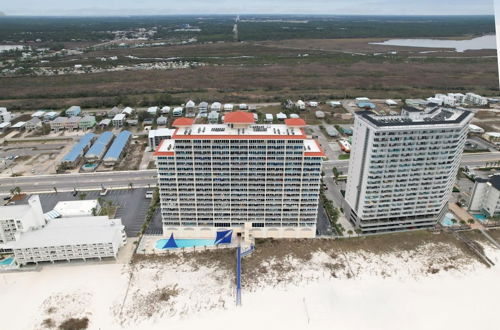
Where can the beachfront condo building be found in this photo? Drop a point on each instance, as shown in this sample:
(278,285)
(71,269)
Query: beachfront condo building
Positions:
(66,233)
(239,174)
(402,168)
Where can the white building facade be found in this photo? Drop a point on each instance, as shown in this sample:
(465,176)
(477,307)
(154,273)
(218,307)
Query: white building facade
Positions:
(238,173)
(67,239)
(402,168)
(25,232)
(485,196)
(15,219)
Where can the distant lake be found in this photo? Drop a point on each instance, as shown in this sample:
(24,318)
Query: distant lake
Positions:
(484,42)
(4,48)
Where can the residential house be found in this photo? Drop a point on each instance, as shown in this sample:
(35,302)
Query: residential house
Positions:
(72,123)
(49,116)
(161,121)
(213,117)
(73,111)
(128,111)
(113,112)
(87,122)
(104,123)
(216,106)
(190,109)
(119,120)
(5,116)
(203,107)
(58,124)
(33,123)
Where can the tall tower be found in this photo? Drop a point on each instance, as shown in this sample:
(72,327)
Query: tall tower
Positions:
(239,173)
(403,168)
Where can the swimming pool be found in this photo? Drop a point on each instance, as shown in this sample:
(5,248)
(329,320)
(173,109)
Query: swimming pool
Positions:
(6,261)
(481,217)
(448,220)
(182,243)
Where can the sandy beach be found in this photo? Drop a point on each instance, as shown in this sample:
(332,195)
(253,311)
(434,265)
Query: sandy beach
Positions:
(435,286)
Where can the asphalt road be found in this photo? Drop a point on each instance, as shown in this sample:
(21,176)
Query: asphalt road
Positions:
(143,178)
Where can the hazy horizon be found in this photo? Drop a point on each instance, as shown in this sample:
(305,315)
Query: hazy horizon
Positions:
(256,7)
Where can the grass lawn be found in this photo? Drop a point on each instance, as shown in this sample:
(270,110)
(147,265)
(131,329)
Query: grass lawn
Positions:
(344,156)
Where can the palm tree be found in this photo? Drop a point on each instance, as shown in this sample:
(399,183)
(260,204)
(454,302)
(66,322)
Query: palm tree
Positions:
(55,189)
(336,173)
(15,191)
(130,185)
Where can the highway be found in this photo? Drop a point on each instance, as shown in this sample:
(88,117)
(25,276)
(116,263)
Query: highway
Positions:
(143,178)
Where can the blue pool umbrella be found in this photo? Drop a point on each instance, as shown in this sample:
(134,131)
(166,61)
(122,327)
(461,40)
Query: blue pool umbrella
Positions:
(170,243)
(223,237)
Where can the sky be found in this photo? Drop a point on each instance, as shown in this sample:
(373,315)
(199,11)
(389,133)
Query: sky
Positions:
(197,7)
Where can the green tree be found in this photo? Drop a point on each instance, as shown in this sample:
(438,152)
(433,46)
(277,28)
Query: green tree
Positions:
(336,173)
(15,191)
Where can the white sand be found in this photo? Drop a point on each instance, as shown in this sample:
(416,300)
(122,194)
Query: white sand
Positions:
(393,291)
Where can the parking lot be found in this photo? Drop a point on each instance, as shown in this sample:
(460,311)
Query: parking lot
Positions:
(155,226)
(132,205)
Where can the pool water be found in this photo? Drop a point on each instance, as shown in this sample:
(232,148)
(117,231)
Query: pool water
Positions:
(480,217)
(6,261)
(181,243)
(448,220)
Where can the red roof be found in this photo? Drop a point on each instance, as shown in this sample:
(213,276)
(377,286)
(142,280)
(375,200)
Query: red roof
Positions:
(182,122)
(295,122)
(239,117)
(162,153)
(321,153)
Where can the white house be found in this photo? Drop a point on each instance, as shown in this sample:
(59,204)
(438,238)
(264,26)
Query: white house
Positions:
(216,106)
(177,112)
(33,123)
(128,111)
(38,114)
(203,107)
(119,120)
(153,110)
(281,116)
(164,110)
(301,105)
(228,107)
(51,115)
(269,117)
(391,103)
(72,111)
(161,121)
(213,117)
(5,116)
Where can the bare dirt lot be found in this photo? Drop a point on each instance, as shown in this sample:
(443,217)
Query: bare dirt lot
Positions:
(133,157)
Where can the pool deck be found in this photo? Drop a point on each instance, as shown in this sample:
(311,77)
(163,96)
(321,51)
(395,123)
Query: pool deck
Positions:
(462,214)
(147,245)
